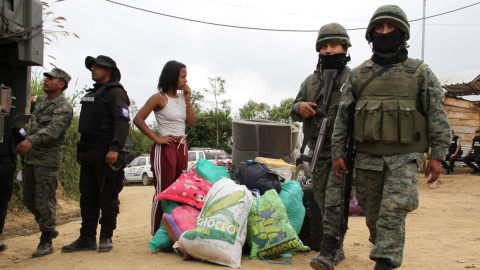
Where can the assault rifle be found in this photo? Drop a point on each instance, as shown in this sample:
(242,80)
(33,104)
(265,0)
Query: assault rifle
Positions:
(322,120)
(349,157)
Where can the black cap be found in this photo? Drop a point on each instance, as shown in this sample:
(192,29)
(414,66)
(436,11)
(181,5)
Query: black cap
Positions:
(105,61)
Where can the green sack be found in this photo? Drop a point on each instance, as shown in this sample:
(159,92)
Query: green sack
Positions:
(292,198)
(161,240)
(210,172)
(269,231)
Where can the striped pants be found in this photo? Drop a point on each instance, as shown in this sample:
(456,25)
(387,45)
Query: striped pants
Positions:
(167,163)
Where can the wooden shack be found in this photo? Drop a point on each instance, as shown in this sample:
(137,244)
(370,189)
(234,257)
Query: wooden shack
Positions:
(463,115)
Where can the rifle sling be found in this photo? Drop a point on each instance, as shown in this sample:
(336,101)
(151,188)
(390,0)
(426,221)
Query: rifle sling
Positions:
(359,93)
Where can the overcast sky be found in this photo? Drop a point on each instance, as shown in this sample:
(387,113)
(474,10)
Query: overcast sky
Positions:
(263,66)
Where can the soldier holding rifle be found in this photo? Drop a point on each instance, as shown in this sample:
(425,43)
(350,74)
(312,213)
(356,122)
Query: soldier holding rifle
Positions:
(317,104)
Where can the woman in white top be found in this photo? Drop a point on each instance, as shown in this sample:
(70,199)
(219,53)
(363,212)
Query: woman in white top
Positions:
(169,153)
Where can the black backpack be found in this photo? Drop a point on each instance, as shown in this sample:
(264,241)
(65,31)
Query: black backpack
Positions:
(256,175)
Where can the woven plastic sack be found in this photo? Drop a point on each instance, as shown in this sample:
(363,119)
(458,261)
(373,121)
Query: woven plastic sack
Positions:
(221,226)
(292,198)
(269,231)
(161,240)
(174,232)
(210,172)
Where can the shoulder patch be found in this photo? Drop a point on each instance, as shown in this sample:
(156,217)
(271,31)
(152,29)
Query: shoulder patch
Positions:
(125,112)
(88,99)
(23,132)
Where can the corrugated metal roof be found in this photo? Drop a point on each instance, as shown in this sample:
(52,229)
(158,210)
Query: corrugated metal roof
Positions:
(459,77)
(461,83)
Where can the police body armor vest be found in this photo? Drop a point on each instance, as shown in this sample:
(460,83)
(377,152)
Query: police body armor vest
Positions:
(453,145)
(387,121)
(9,144)
(476,145)
(95,116)
(313,82)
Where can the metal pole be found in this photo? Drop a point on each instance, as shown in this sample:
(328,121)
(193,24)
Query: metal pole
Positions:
(423,29)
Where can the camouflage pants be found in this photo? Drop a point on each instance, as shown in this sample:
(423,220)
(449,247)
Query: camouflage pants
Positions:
(319,182)
(39,186)
(333,199)
(386,197)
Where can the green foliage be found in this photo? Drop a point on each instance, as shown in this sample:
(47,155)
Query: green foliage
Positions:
(263,111)
(213,124)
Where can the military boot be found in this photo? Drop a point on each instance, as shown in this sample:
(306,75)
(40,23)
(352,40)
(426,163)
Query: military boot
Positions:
(45,247)
(105,245)
(80,245)
(3,246)
(383,264)
(340,256)
(327,254)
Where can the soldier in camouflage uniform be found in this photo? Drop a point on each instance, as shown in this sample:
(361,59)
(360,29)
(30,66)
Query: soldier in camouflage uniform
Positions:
(398,113)
(43,147)
(332,45)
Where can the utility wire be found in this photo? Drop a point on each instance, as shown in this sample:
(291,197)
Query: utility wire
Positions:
(268,29)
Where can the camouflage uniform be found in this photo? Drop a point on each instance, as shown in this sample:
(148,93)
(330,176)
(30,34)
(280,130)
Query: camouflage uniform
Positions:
(44,159)
(387,185)
(324,165)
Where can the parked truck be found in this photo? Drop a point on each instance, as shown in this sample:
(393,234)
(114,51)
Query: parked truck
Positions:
(21,47)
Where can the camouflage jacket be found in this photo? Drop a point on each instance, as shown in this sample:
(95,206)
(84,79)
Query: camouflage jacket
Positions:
(47,134)
(430,93)
(302,96)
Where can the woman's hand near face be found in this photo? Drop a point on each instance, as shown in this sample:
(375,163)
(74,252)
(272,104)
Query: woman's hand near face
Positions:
(187,93)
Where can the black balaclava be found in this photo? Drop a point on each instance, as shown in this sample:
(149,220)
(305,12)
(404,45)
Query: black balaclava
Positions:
(334,61)
(387,43)
(387,48)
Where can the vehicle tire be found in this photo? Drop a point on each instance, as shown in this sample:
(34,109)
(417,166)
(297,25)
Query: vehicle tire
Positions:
(125,182)
(145,179)
(299,172)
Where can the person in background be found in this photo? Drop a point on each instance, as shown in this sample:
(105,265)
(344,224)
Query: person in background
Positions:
(43,149)
(169,153)
(8,163)
(473,154)
(103,127)
(454,153)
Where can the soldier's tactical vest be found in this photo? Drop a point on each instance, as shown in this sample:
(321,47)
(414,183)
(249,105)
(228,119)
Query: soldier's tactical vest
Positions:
(313,83)
(387,121)
(95,116)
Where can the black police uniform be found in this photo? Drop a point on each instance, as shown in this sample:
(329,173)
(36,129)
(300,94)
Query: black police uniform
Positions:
(451,150)
(103,125)
(474,155)
(8,162)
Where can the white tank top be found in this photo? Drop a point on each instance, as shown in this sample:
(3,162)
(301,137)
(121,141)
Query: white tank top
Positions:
(171,119)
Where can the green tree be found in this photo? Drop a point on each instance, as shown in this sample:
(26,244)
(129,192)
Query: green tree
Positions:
(263,111)
(213,124)
(217,88)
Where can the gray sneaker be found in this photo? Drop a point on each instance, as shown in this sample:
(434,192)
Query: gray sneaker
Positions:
(105,245)
(3,246)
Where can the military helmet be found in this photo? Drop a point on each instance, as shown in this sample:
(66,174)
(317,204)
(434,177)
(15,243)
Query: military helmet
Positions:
(332,33)
(389,14)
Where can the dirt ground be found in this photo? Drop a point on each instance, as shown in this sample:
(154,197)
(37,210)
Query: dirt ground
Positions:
(444,233)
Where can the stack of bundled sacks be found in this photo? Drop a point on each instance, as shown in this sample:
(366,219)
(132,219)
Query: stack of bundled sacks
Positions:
(209,217)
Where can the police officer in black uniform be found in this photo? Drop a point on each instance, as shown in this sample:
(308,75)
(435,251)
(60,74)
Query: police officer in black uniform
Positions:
(454,153)
(8,162)
(104,123)
(475,156)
